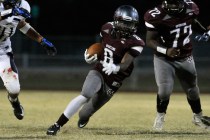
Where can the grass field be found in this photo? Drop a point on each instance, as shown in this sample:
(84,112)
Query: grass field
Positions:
(128,116)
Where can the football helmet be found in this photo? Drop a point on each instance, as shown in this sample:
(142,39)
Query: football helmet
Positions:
(126,19)
(11,3)
(173,7)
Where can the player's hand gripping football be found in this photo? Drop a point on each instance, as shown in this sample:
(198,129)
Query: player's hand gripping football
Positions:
(204,37)
(49,47)
(173,52)
(21,11)
(110,68)
(90,59)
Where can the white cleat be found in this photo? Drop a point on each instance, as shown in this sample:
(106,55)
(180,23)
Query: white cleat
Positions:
(159,121)
(197,120)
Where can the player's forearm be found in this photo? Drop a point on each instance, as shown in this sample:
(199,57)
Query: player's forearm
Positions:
(29,31)
(152,41)
(157,46)
(34,35)
(126,62)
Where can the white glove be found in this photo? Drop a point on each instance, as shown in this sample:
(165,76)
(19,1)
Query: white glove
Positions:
(90,60)
(110,68)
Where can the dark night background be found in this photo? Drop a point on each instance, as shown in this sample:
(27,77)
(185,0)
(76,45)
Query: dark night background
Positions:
(72,26)
(85,17)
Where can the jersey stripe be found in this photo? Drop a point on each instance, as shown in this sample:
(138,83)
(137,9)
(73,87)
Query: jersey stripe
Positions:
(149,25)
(137,48)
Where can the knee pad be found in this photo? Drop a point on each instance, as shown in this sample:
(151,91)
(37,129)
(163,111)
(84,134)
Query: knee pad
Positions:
(193,93)
(11,82)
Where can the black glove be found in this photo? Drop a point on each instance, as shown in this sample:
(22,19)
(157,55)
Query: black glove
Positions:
(21,11)
(49,47)
(204,37)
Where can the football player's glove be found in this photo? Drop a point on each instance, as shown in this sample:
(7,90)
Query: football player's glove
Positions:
(205,120)
(49,47)
(21,11)
(89,59)
(110,68)
(204,37)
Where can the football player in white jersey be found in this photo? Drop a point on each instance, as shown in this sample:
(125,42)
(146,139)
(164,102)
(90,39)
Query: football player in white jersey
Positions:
(12,16)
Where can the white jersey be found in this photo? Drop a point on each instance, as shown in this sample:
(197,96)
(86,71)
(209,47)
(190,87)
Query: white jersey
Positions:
(8,27)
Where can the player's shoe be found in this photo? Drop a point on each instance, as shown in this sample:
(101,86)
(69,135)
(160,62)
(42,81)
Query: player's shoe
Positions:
(53,129)
(206,120)
(201,121)
(82,123)
(159,121)
(18,109)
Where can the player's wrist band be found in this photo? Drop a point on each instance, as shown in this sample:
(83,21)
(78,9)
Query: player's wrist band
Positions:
(161,50)
(117,68)
(208,32)
(25,28)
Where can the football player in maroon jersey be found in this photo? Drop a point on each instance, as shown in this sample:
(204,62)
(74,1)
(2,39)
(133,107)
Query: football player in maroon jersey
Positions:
(169,26)
(120,47)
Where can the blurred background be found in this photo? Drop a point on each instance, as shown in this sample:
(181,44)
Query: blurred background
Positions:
(72,26)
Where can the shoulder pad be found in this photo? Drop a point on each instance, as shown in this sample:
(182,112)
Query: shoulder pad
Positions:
(191,7)
(154,14)
(105,29)
(107,26)
(137,41)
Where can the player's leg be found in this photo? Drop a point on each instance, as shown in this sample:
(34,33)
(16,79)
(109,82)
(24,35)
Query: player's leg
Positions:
(9,75)
(93,105)
(188,79)
(91,86)
(164,76)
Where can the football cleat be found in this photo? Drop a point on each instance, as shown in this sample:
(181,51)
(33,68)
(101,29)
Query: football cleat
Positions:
(159,121)
(202,122)
(52,130)
(206,120)
(82,123)
(18,109)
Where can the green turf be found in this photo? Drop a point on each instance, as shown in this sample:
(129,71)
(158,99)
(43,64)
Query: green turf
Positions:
(128,116)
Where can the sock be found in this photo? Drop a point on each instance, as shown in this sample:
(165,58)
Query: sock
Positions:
(162,105)
(74,106)
(62,120)
(195,105)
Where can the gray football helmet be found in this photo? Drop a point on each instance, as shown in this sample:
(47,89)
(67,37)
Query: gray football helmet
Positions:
(126,19)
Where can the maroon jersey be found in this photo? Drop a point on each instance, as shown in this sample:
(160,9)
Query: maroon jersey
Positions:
(174,31)
(113,52)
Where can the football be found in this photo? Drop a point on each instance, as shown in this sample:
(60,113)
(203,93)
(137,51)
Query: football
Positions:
(95,48)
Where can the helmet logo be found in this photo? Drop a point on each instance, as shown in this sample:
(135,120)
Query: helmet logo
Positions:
(127,18)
